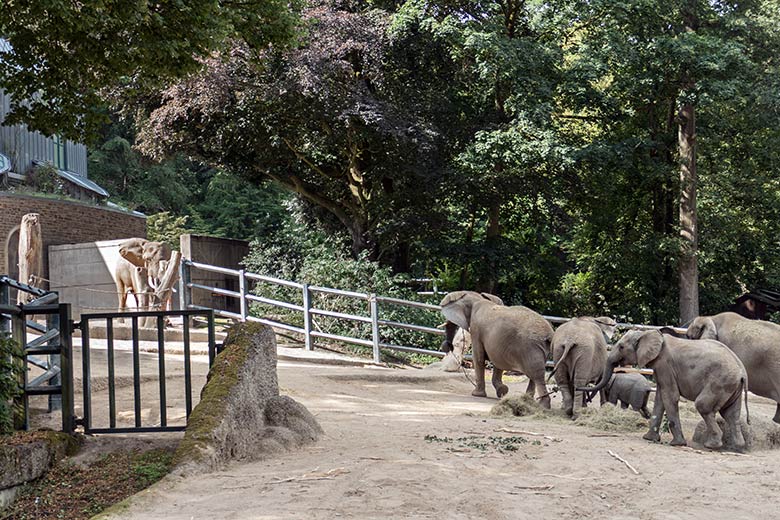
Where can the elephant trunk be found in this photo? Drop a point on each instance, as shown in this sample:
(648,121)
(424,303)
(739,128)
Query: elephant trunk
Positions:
(450,329)
(605,377)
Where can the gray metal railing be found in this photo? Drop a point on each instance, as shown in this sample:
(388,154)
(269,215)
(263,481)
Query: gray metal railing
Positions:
(309,311)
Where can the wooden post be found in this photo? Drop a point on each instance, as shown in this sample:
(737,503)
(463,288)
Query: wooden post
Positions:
(30,254)
(164,291)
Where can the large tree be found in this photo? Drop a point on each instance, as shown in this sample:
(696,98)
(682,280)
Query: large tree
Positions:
(645,68)
(64,55)
(325,120)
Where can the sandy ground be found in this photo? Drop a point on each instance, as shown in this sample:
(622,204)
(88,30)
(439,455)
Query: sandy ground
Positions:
(375,462)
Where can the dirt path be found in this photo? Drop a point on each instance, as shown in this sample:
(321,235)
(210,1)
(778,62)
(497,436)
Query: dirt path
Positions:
(382,466)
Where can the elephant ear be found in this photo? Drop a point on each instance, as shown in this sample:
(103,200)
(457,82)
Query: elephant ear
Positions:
(493,298)
(456,310)
(132,251)
(607,326)
(648,347)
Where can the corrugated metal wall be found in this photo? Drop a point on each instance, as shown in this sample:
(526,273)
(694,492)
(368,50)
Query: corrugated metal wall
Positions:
(22,146)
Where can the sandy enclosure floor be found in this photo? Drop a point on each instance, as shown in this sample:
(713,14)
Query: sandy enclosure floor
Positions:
(375,462)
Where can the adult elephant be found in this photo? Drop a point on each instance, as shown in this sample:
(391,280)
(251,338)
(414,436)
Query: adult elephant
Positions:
(579,349)
(703,371)
(755,342)
(512,338)
(143,253)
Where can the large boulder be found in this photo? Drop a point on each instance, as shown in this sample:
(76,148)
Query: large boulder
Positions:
(241,415)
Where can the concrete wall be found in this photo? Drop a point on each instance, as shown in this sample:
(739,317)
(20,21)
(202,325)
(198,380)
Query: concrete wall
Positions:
(62,222)
(221,252)
(83,274)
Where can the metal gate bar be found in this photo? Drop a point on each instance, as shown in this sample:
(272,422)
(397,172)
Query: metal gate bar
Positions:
(159,321)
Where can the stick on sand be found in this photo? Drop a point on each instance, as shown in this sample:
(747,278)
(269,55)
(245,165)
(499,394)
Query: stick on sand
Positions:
(624,461)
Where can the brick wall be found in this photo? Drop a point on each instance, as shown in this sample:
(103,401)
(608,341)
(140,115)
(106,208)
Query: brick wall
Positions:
(64,222)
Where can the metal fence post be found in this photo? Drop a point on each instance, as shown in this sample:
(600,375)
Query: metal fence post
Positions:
(66,366)
(18,333)
(185,293)
(308,343)
(5,299)
(372,303)
(242,290)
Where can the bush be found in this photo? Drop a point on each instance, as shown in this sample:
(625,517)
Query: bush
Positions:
(11,368)
(297,252)
(44,178)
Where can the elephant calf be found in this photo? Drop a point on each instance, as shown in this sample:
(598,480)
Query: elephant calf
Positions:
(629,389)
(703,371)
(579,351)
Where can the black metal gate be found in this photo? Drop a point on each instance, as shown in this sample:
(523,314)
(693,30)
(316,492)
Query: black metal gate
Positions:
(50,351)
(137,319)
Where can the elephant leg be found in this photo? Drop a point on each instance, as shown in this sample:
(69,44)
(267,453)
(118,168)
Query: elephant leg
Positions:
(501,388)
(478,354)
(671,402)
(731,414)
(531,388)
(567,390)
(579,397)
(776,418)
(623,405)
(704,405)
(541,389)
(653,434)
(613,398)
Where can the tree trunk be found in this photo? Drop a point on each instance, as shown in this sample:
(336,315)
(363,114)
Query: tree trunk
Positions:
(487,280)
(30,254)
(689,270)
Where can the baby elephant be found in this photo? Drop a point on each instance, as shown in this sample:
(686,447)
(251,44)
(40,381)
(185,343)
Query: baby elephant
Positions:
(703,371)
(630,389)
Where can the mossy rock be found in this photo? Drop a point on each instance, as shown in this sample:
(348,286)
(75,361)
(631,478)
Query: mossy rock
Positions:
(241,415)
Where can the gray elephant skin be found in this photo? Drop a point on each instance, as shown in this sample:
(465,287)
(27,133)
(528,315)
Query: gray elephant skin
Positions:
(512,338)
(703,371)
(755,342)
(579,349)
(629,390)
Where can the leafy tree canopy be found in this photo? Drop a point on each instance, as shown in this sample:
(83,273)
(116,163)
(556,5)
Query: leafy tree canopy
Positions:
(65,55)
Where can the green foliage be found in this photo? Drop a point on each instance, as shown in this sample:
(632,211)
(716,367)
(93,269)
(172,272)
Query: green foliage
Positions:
(43,178)
(298,252)
(66,56)
(11,368)
(151,466)
(164,227)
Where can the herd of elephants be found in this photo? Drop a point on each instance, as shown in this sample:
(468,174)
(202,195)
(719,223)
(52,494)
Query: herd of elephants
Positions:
(714,364)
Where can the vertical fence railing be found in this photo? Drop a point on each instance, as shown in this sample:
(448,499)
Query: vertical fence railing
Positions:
(308,311)
(136,318)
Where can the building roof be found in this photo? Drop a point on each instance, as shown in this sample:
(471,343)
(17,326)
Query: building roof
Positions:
(77,179)
(83,182)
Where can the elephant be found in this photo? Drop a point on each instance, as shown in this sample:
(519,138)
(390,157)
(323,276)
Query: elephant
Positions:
(579,349)
(143,253)
(703,371)
(629,389)
(130,278)
(755,342)
(512,338)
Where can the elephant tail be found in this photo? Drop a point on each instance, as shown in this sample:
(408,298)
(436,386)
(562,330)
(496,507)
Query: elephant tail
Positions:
(566,348)
(745,389)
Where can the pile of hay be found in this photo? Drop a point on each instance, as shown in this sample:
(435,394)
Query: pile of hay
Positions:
(610,418)
(521,405)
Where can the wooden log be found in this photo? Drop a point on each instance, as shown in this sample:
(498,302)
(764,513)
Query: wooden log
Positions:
(30,255)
